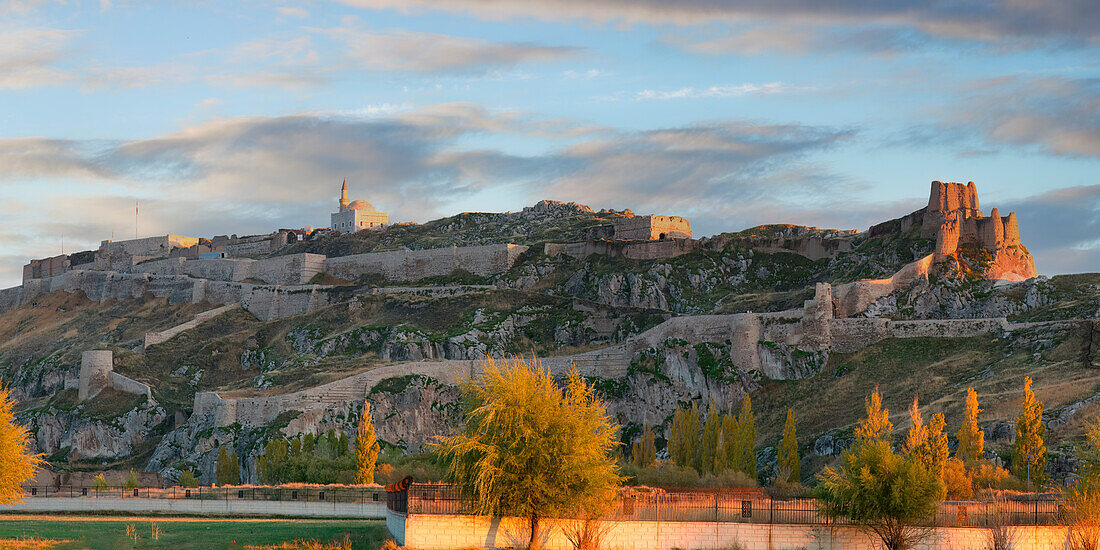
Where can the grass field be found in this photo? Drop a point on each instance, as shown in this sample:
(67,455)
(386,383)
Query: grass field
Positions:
(108,533)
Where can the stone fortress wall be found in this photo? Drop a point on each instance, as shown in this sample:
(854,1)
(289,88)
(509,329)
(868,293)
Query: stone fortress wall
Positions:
(270,288)
(652,228)
(752,336)
(97,373)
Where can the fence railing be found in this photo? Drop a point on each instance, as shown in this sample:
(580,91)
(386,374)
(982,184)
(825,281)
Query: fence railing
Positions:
(753,506)
(302,493)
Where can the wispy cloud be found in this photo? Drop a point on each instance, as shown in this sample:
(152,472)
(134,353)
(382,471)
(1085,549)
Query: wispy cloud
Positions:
(1020,23)
(293,12)
(737,90)
(400,50)
(243,174)
(30,57)
(1051,115)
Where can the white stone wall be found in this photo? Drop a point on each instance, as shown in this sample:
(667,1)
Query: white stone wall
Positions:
(430,532)
(395,523)
(205,506)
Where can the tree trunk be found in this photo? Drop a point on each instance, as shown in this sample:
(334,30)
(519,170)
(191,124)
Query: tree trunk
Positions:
(533,544)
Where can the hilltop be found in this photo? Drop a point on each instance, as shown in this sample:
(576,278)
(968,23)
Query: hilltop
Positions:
(795,316)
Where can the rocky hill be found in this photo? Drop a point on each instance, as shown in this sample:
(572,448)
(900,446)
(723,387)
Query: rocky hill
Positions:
(653,334)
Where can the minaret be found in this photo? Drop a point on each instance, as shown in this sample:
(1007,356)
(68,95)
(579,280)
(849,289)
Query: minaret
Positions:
(344,196)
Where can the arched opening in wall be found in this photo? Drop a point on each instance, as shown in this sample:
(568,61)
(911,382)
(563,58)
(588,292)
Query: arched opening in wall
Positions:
(662,236)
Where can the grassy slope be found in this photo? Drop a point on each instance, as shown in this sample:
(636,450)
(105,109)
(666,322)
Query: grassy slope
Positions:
(68,324)
(939,371)
(108,533)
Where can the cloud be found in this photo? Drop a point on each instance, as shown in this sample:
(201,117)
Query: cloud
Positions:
(707,169)
(29,57)
(252,174)
(1061,228)
(1056,116)
(406,51)
(717,91)
(293,12)
(40,158)
(797,39)
(1074,21)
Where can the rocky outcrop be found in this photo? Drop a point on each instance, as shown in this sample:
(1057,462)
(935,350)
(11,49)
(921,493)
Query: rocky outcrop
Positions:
(88,438)
(955,220)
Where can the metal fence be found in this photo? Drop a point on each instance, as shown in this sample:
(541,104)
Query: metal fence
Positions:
(752,506)
(300,493)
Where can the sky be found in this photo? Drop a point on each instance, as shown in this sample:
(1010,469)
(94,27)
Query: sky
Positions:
(222,117)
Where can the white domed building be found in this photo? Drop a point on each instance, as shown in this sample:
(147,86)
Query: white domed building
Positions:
(357,215)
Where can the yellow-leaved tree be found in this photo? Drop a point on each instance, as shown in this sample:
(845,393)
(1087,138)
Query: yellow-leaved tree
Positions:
(971,439)
(17,464)
(366,448)
(789,463)
(533,448)
(1029,458)
(877,424)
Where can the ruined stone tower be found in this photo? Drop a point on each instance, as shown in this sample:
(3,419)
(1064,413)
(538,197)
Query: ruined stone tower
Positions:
(954,219)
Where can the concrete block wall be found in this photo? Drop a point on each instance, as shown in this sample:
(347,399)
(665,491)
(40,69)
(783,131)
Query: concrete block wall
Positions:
(429,532)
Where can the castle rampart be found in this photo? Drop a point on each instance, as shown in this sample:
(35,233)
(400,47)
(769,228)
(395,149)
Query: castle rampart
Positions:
(652,228)
(97,374)
(412,265)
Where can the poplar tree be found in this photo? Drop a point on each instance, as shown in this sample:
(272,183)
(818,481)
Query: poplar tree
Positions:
(228,470)
(877,424)
(971,439)
(788,451)
(17,464)
(366,448)
(927,444)
(729,443)
(692,436)
(708,443)
(644,450)
(1030,432)
(746,438)
(676,438)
